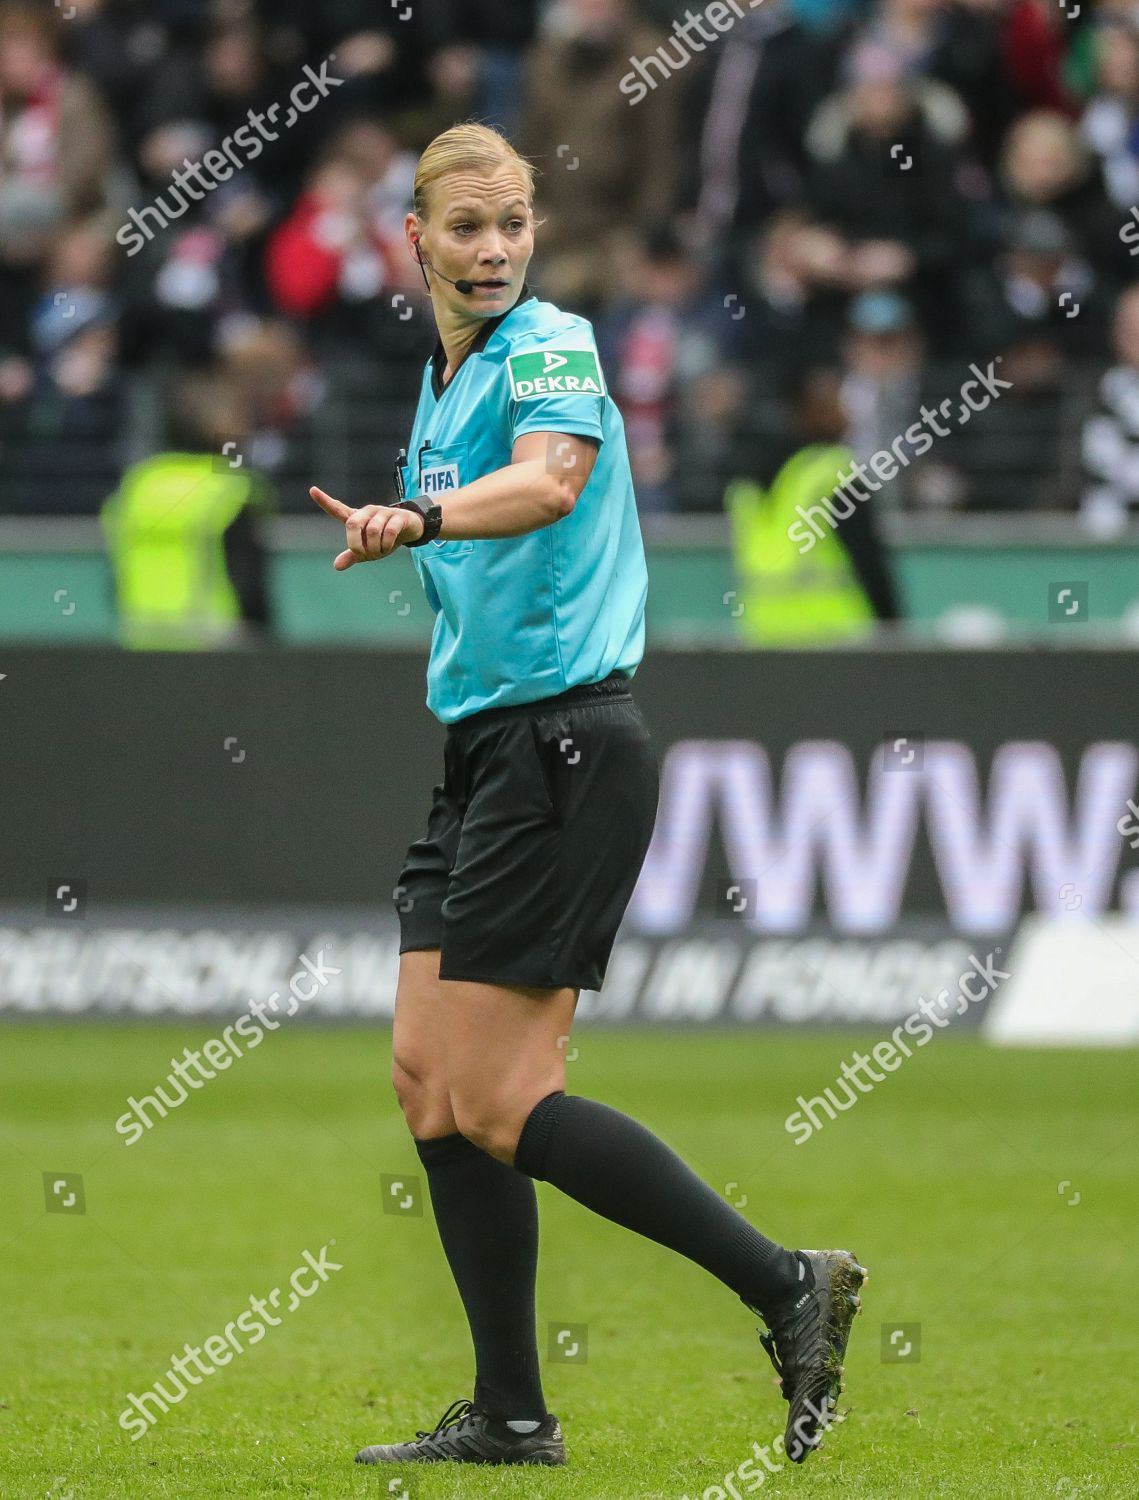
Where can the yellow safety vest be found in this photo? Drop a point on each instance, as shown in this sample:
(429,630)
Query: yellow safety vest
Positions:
(164,528)
(789,598)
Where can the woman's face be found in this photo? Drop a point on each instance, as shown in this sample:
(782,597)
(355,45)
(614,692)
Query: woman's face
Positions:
(480,228)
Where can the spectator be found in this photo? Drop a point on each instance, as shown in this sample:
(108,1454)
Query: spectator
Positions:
(956,45)
(882,385)
(184,277)
(1110,123)
(1039,289)
(885,158)
(184,530)
(56,146)
(792,294)
(1045,164)
(751,106)
(63,428)
(340,260)
(656,340)
(482,56)
(1034,42)
(1110,441)
(808,582)
(609,167)
(278,388)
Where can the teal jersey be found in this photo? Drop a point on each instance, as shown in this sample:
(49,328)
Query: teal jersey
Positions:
(525,617)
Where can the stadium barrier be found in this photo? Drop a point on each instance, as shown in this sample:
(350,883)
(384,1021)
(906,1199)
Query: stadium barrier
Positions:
(974,576)
(839,834)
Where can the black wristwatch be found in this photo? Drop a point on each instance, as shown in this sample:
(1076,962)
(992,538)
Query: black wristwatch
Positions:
(430,514)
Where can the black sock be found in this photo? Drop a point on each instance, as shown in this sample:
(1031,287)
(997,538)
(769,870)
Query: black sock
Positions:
(616,1167)
(487,1216)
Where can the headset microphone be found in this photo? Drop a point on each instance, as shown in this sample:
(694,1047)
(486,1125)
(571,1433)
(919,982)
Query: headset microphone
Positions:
(462,285)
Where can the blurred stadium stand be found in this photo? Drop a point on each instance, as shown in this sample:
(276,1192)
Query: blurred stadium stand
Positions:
(896,190)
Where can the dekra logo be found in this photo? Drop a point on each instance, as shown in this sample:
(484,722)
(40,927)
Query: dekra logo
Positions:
(550,372)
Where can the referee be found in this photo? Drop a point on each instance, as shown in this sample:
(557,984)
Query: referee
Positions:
(517,500)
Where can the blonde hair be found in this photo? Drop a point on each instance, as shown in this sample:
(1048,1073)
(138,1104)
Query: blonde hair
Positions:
(466,147)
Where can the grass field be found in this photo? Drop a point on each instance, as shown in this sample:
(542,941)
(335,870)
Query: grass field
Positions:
(994,1195)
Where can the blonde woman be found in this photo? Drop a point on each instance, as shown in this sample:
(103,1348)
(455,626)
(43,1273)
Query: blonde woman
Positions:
(517,502)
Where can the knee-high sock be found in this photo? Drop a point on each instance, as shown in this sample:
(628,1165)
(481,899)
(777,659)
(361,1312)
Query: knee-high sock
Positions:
(487,1216)
(615,1166)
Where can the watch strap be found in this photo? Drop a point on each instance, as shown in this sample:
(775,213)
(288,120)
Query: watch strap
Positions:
(431,515)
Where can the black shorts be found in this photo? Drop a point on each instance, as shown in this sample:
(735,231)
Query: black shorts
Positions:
(534,841)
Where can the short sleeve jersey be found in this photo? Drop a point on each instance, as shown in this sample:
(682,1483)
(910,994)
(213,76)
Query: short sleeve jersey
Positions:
(522,618)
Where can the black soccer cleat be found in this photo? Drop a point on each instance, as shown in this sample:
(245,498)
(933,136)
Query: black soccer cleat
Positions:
(807,1343)
(466,1434)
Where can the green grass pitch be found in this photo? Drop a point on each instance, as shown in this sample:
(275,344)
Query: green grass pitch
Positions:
(994,1196)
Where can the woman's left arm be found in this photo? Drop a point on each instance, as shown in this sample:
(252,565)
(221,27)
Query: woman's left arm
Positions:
(541,483)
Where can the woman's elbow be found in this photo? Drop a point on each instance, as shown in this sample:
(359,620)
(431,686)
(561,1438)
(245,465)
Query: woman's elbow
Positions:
(562,498)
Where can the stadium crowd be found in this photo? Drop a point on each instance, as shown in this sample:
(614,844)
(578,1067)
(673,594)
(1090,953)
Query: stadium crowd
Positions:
(892,191)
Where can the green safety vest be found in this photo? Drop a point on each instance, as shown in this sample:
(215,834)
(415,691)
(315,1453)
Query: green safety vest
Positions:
(164,528)
(789,598)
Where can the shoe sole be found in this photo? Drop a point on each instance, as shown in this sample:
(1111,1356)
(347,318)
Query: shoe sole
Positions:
(846,1276)
(546,1460)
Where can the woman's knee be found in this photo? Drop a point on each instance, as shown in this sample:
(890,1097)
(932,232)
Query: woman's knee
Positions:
(492,1118)
(424,1099)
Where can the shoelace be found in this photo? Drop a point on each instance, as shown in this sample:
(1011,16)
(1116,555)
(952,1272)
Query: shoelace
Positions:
(454,1413)
(784,1324)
